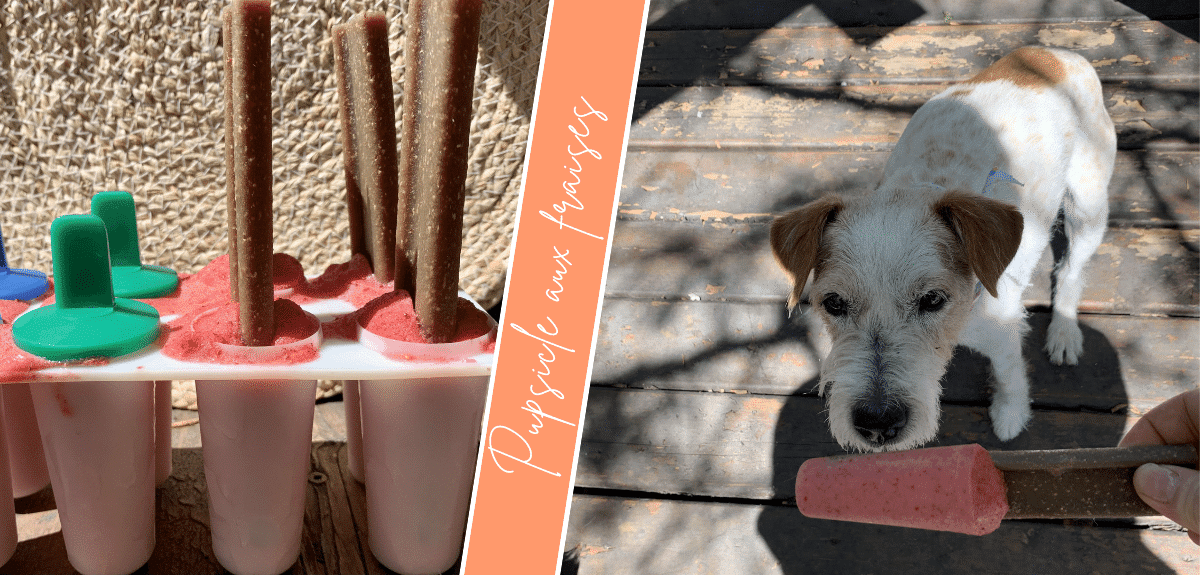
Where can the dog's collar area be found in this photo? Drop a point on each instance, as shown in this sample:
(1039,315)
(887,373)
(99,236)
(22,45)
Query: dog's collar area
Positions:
(993,177)
(978,291)
(996,176)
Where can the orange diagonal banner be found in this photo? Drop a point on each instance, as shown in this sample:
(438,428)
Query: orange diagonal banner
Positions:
(552,299)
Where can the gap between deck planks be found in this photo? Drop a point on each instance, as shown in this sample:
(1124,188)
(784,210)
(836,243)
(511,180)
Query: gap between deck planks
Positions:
(873,117)
(788,14)
(1128,362)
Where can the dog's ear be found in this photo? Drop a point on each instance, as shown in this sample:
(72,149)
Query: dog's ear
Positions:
(796,237)
(990,232)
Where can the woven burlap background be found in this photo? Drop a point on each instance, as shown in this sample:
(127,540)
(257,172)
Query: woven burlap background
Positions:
(126,94)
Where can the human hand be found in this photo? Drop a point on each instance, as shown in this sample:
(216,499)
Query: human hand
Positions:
(1171,490)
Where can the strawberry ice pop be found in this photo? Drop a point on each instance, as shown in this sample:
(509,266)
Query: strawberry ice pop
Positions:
(420,436)
(99,442)
(420,441)
(26,458)
(255,434)
(256,437)
(966,489)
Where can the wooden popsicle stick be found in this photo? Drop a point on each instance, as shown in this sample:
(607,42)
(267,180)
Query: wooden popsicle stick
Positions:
(1087,482)
(354,201)
(248,49)
(441,43)
(230,188)
(368,117)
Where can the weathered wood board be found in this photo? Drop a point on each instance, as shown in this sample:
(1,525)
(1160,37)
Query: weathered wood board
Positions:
(756,348)
(615,534)
(828,55)
(724,187)
(703,404)
(1143,271)
(750,446)
(873,117)
(717,14)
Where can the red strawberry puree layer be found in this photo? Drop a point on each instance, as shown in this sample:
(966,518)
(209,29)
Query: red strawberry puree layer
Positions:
(209,287)
(392,316)
(191,337)
(208,315)
(195,337)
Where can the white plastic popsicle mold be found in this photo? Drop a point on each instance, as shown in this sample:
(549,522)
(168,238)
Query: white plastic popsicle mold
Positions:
(251,552)
(339,359)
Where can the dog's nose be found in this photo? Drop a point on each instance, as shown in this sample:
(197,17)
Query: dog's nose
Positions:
(881,422)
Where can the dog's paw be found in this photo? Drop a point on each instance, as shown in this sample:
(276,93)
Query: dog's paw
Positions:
(1064,341)
(1009,417)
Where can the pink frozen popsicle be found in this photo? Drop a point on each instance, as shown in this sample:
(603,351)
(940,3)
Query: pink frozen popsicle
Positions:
(955,488)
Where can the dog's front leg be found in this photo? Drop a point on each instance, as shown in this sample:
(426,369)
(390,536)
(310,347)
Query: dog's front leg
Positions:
(999,339)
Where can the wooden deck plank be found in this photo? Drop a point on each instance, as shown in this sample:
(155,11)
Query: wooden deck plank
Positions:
(356,495)
(754,347)
(688,14)
(750,446)
(933,53)
(629,535)
(334,545)
(1139,271)
(720,186)
(868,117)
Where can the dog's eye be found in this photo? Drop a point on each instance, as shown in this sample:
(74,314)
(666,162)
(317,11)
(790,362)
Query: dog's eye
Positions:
(931,302)
(834,305)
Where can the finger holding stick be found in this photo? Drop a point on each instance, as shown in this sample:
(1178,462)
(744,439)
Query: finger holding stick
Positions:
(1171,490)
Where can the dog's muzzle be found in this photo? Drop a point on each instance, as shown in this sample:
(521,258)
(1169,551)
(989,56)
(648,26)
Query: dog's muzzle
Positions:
(877,417)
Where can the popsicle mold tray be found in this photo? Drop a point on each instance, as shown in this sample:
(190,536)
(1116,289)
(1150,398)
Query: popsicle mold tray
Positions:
(369,358)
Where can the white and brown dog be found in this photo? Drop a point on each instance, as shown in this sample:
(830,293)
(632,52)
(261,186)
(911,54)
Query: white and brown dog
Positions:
(967,201)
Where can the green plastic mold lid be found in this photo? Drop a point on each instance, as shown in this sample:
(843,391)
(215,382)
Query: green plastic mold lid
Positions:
(129,277)
(86,320)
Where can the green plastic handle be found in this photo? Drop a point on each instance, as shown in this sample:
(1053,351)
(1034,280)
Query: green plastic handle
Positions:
(130,278)
(86,319)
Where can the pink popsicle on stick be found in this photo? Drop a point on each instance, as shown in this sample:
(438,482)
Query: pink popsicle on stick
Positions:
(966,489)
(441,43)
